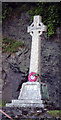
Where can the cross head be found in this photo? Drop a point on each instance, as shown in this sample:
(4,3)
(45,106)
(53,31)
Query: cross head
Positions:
(37,25)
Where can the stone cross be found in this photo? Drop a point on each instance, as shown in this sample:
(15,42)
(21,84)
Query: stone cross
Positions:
(36,29)
(30,93)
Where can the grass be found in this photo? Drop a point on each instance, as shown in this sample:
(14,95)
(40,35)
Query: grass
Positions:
(11,46)
(3,104)
(55,113)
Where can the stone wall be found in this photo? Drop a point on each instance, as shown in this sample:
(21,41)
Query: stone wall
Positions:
(16,66)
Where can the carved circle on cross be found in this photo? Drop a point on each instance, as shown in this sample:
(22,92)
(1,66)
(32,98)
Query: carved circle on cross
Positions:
(39,32)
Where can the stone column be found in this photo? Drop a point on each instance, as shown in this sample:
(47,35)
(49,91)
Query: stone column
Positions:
(36,29)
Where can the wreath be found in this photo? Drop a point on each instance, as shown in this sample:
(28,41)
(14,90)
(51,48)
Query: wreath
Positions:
(32,77)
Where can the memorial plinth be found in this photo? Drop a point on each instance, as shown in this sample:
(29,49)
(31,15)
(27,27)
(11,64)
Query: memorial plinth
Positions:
(30,96)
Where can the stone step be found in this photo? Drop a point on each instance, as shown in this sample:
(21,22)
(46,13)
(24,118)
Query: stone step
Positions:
(25,103)
(28,102)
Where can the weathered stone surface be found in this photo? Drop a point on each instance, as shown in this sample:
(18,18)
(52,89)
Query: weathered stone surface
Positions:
(30,96)
(30,90)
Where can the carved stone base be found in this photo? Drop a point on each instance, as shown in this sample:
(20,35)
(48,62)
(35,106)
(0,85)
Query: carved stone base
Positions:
(30,96)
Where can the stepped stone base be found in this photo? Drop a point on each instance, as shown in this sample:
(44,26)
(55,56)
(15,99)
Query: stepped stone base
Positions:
(30,96)
(23,103)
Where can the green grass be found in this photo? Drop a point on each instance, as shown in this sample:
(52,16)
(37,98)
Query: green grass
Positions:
(55,113)
(3,104)
(11,46)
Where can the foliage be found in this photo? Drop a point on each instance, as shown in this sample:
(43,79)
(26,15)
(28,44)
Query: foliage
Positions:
(9,8)
(55,113)
(6,10)
(3,104)
(50,12)
(11,46)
